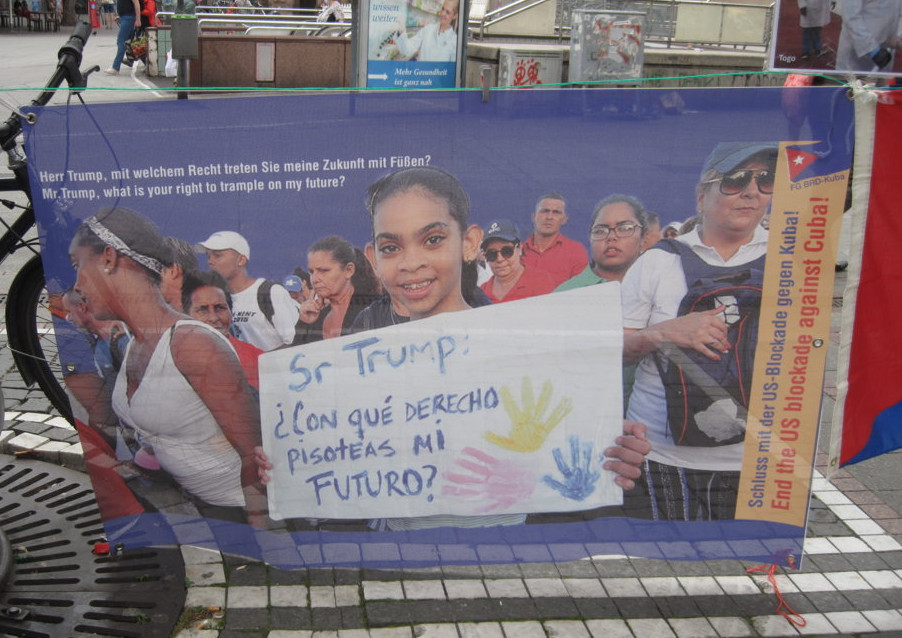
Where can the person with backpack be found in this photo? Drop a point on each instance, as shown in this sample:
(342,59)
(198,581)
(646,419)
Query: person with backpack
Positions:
(690,316)
(263,313)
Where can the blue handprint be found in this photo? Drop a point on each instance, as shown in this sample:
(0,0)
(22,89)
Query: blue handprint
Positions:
(579,477)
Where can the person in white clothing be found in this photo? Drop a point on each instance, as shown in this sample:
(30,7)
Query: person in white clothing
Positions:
(869,36)
(331,12)
(689,481)
(180,385)
(814,15)
(267,325)
(435,42)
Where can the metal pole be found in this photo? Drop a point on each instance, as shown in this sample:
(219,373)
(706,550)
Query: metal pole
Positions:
(181,75)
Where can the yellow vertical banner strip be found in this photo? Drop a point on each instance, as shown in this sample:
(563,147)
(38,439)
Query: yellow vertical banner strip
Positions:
(793,335)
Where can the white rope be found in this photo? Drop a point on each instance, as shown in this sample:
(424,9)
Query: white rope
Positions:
(12,107)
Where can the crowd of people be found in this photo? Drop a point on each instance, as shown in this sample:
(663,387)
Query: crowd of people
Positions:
(159,326)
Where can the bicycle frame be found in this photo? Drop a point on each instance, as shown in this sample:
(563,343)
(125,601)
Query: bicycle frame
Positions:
(13,238)
(67,70)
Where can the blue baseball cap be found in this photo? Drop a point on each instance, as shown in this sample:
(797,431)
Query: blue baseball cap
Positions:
(501,229)
(293,283)
(727,156)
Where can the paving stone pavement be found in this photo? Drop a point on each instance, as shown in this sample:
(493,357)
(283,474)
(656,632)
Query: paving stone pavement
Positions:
(850,583)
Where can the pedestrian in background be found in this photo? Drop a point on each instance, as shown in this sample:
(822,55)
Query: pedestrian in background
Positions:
(128,11)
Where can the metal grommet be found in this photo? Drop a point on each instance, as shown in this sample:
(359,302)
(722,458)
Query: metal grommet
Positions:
(31,118)
(817,343)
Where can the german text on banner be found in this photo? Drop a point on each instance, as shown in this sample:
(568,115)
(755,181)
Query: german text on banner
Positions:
(793,337)
(408,329)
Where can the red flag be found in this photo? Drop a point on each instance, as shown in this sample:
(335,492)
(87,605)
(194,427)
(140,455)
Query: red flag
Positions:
(872,418)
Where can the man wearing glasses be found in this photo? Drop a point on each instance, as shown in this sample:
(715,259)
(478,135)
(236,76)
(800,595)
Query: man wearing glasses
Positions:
(616,237)
(510,279)
(696,479)
(547,249)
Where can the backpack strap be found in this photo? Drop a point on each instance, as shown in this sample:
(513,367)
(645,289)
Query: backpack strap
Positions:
(264,300)
(694,267)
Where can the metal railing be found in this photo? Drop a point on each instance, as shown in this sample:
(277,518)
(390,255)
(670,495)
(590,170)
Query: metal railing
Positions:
(668,21)
(294,23)
(481,21)
(321,30)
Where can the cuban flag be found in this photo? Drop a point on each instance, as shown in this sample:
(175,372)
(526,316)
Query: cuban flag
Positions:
(872,412)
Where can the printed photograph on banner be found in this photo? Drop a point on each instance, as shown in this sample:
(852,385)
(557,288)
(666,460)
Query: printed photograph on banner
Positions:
(414,44)
(424,313)
(395,423)
(860,37)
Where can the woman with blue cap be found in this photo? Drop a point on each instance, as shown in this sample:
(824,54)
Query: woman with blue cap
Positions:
(692,471)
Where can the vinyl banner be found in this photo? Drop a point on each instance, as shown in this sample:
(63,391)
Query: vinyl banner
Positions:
(837,36)
(795,326)
(420,433)
(364,329)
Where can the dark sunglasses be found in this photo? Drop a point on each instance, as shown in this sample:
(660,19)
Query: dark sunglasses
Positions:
(737,181)
(507,252)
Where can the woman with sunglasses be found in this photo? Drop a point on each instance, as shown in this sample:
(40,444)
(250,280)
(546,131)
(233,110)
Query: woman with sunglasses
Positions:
(510,279)
(683,481)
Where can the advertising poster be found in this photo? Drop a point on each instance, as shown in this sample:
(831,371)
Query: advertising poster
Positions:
(385,412)
(871,417)
(414,44)
(858,37)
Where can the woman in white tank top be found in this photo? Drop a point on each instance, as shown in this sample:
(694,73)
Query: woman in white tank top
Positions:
(181,385)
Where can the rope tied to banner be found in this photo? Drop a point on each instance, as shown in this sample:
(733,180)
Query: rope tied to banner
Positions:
(783,607)
(596,83)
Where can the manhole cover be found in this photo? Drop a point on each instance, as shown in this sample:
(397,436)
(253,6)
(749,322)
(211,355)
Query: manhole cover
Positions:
(56,585)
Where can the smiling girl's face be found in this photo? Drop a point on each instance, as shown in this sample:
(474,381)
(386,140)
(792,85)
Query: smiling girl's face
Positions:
(418,251)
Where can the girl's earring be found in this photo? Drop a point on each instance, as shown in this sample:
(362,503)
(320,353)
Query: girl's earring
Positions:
(106,271)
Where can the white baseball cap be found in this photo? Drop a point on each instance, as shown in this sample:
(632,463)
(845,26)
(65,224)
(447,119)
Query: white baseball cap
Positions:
(227,239)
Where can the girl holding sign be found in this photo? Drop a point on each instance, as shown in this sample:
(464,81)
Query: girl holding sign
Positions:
(423,246)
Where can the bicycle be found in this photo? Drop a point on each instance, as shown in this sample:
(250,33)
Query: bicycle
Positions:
(29,309)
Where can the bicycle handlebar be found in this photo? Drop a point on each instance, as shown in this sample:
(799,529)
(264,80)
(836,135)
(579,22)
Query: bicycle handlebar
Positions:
(67,68)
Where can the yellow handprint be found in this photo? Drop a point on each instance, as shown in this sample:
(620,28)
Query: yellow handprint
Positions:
(530,427)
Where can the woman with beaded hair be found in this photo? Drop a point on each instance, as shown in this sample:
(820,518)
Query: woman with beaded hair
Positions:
(181,386)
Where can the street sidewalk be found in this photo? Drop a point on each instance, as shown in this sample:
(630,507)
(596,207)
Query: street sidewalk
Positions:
(850,583)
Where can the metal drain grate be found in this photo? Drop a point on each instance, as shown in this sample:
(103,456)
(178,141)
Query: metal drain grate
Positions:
(57,587)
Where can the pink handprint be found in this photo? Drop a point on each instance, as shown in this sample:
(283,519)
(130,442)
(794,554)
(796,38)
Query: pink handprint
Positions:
(501,483)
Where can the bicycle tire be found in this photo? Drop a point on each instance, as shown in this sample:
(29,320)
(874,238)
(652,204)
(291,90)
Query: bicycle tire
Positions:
(29,327)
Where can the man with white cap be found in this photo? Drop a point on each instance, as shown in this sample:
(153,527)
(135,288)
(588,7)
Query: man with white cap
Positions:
(263,312)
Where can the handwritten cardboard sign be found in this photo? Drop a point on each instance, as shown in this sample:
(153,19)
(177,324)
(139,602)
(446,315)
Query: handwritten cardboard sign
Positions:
(495,410)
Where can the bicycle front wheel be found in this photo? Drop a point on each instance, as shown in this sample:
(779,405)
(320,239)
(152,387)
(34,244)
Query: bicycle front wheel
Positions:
(29,326)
